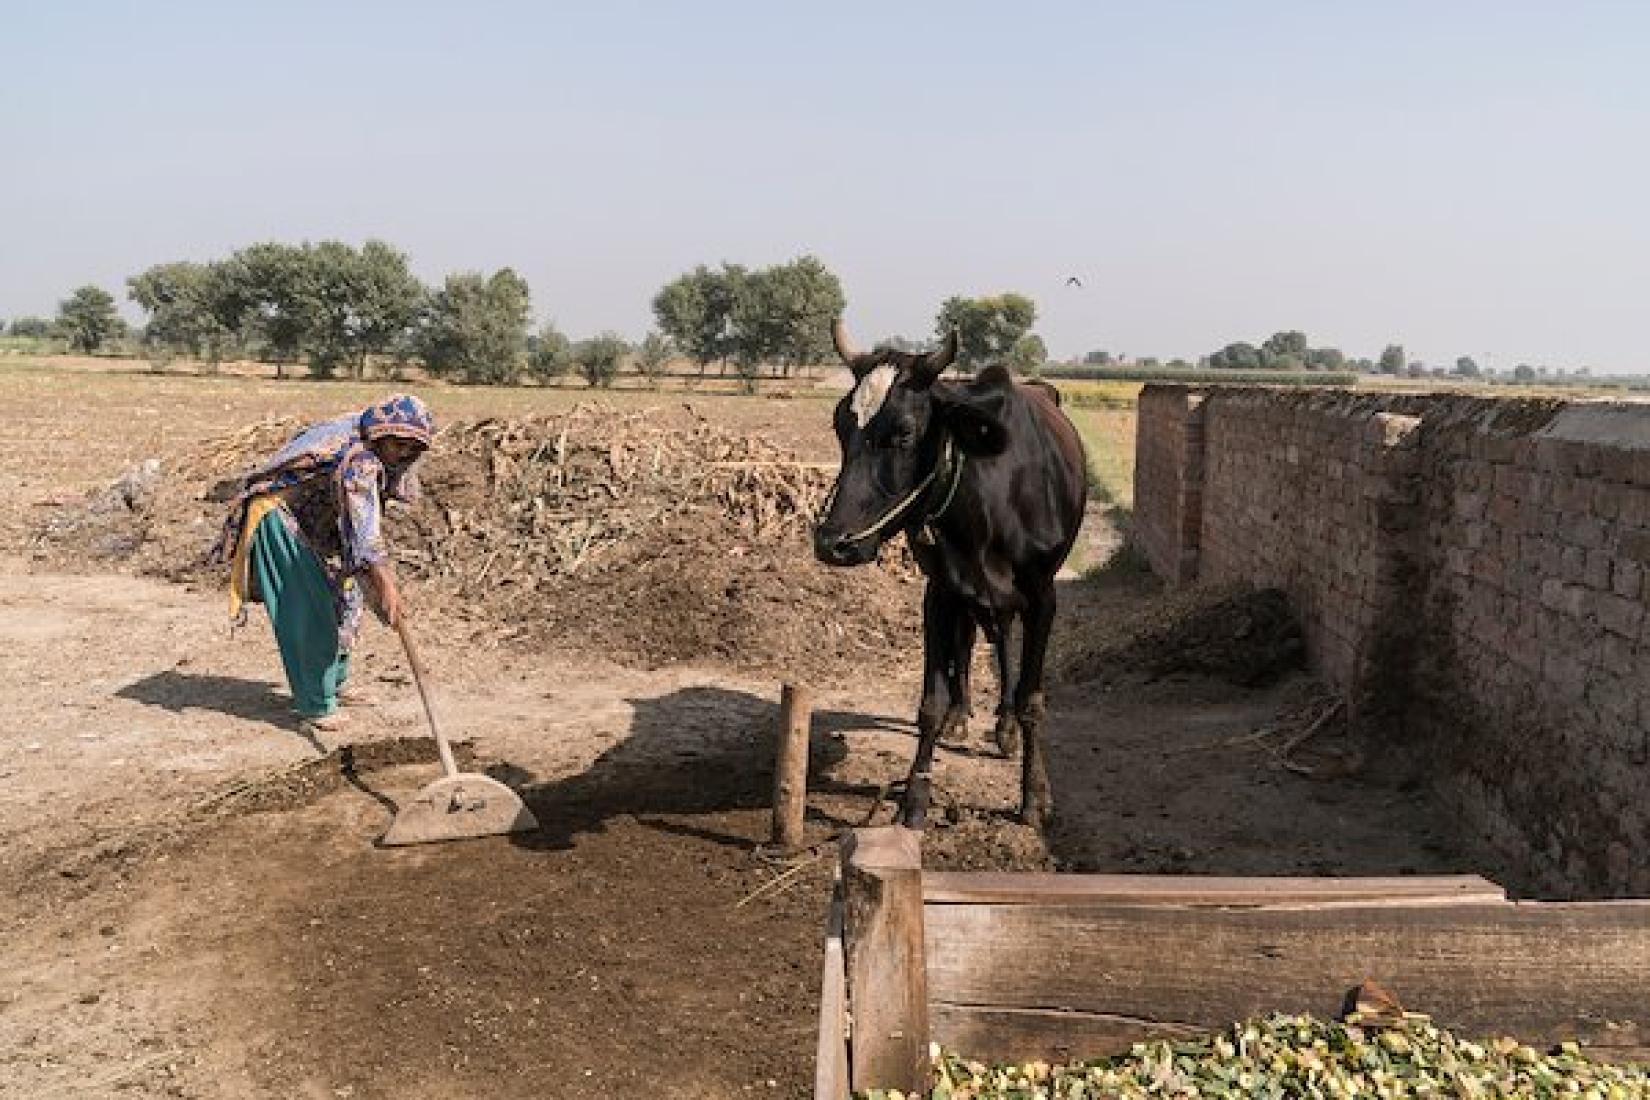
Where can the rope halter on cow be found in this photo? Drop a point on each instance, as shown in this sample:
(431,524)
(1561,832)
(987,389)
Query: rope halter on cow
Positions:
(949,467)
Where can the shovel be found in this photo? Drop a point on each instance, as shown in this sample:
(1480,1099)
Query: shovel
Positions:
(459,805)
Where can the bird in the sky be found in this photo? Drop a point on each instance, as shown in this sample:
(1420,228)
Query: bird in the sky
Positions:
(1072,280)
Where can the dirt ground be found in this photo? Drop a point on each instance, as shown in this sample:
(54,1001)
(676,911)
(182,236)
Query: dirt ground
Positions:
(192,905)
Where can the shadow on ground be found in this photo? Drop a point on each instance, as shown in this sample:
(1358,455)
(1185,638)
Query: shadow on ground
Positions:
(252,700)
(698,750)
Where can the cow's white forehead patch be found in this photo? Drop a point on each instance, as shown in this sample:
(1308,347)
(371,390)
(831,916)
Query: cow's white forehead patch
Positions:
(872,392)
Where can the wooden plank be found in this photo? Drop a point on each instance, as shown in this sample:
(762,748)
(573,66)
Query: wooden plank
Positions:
(1032,888)
(882,915)
(1024,1034)
(831,1055)
(1543,972)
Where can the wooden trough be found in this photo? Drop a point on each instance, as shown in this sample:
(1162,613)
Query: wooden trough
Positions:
(1018,966)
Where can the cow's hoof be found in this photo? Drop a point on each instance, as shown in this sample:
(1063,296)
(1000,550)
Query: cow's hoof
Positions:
(1033,711)
(1037,814)
(954,726)
(913,817)
(1007,735)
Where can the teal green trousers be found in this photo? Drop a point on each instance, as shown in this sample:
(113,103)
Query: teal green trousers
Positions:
(299,600)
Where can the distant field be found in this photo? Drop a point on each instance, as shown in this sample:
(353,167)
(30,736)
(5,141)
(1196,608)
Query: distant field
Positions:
(1092,394)
(1108,436)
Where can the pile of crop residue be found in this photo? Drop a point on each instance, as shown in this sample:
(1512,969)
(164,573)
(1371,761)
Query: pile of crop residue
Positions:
(650,537)
(1288,1056)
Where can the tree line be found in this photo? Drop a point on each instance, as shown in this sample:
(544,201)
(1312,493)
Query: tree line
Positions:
(1290,351)
(336,309)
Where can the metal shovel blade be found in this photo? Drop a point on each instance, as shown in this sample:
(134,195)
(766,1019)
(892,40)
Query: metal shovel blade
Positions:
(458,807)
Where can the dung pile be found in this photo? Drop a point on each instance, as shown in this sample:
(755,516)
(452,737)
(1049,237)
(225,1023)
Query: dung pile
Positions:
(1248,637)
(649,537)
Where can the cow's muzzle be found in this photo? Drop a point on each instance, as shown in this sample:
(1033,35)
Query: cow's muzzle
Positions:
(836,548)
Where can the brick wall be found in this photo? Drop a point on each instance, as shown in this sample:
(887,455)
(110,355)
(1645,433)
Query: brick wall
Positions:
(1470,573)
(1168,479)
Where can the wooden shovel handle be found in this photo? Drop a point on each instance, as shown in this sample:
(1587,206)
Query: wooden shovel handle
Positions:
(421,678)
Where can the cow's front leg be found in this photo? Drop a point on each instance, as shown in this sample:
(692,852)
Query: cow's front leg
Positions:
(1007,732)
(1036,797)
(959,660)
(939,636)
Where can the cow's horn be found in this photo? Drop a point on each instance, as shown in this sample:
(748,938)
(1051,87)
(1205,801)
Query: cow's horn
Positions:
(942,356)
(844,346)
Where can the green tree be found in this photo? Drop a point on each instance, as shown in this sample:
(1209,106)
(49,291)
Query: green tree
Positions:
(696,311)
(1467,368)
(1280,344)
(190,310)
(1524,373)
(476,328)
(88,320)
(264,287)
(31,328)
(598,358)
(353,303)
(1236,356)
(1029,354)
(385,301)
(550,353)
(987,328)
(1100,358)
(1392,359)
(652,354)
(1326,359)
(783,314)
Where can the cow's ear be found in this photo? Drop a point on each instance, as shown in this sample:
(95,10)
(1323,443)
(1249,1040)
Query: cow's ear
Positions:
(976,418)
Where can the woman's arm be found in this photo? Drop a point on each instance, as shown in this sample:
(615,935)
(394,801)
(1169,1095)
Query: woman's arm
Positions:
(365,550)
(384,593)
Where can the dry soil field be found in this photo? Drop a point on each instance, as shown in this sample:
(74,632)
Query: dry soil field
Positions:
(191,903)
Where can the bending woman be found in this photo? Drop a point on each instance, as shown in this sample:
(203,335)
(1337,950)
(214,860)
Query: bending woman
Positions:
(305,538)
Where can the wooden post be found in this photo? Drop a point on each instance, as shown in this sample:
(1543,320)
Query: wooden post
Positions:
(887,970)
(790,769)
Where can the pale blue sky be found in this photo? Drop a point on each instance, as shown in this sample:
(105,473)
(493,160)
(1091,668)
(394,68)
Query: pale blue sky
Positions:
(1462,177)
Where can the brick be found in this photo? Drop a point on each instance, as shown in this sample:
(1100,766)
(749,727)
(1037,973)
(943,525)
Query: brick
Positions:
(1547,455)
(1618,655)
(1608,500)
(1571,494)
(1618,615)
(1567,599)
(1506,511)
(1615,464)
(1573,566)
(1598,572)
(1626,578)
(1635,547)
(1564,677)
(1488,567)
(1501,448)
(1582,458)
(1589,531)
(1635,506)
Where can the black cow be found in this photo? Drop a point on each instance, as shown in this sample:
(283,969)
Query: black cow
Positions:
(986,478)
